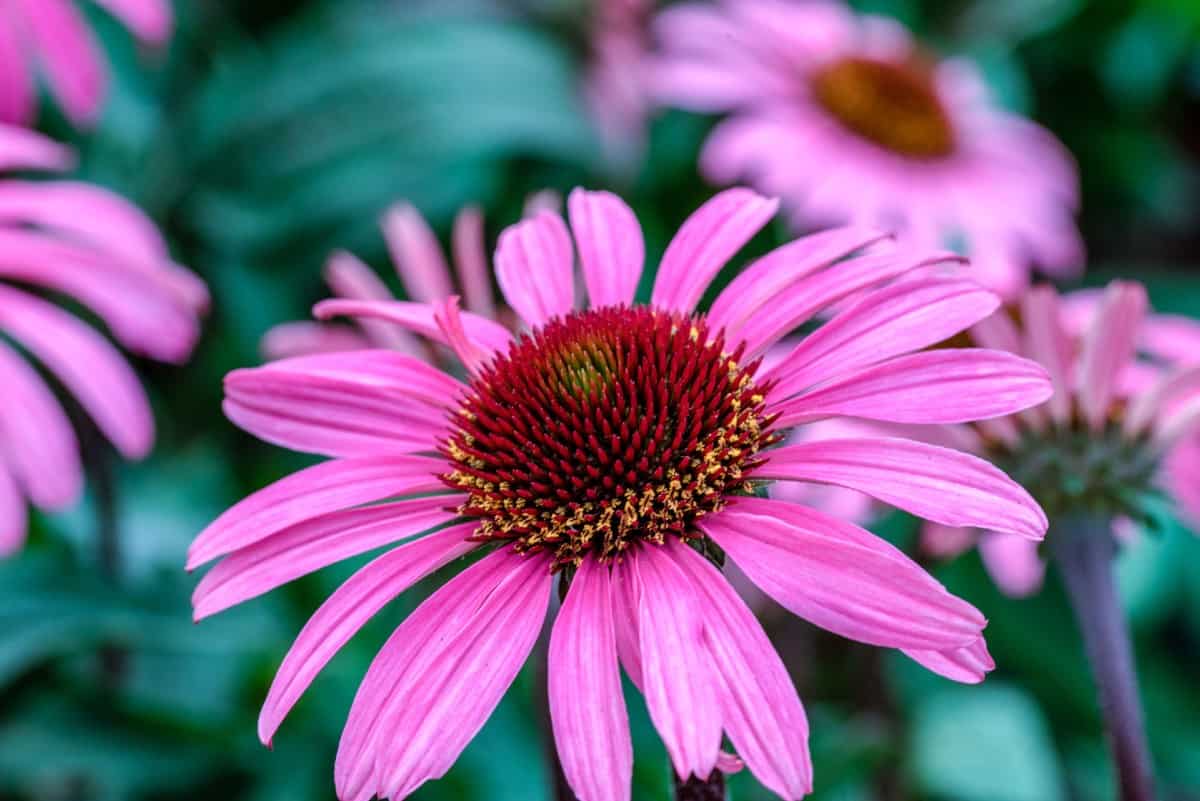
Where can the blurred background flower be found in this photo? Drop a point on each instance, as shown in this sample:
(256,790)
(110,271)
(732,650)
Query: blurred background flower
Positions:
(268,134)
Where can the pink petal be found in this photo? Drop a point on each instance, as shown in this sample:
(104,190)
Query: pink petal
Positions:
(87,365)
(798,302)
(766,277)
(418,317)
(945,542)
(1169,389)
(68,55)
(1109,344)
(17,92)
(904,317)
(355,602)
(313,544)
(705,242)
(939,484)
(344,404)
(968,665)
(587,707)
(12,515)
(942,386)
(841,577)
(26,150)
(352,280)
(1013,563)
(449,320)
(535,268)
(36,438)
(288,340)
(759,705)
(1046,343)
(150,20)
(611,250)
(144,313)
(676,671)
(458,672)
(315,491)
(471,262)
(416,254)
(626,601)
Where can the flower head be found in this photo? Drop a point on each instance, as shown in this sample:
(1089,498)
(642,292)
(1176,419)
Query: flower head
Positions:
(87,243)
(1120,430)
(52,37)
(618,449)
(850,121)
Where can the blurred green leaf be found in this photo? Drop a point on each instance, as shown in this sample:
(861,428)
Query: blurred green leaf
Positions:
(986,743)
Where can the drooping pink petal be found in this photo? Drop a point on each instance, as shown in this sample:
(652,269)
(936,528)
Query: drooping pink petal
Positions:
(781,314)
(705,242)
(344,404)
(587,707)
(355,602)
(12,514)
(150,20)
(1178,423)
(941,386)
(1108,346)
(535,268)
(766,277)
(449,320)
(626,601)
(458,674)
(446,612)
(36,438)
(302,338)
(326,487)
(17,92)
(418,317)
(1013,563)
(416,254)
(899,319)
(144,314)
(1046,343)
(28,150)
(611,249)
(759,706)
(676,672)
(313,544)
(945,542)
(968,665)
(68,55)
(938,484)
(471,262)
(841,577)
(1169,389)
(87,365)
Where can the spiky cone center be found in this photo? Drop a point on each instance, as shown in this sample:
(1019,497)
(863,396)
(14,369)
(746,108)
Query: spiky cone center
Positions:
(1074,471)
(894,104)
(605,428)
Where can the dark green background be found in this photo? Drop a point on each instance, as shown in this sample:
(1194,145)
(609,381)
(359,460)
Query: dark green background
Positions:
(273,132)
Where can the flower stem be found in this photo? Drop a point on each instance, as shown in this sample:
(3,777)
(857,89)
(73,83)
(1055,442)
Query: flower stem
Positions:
(1084,550)
(99,464)
(694,789)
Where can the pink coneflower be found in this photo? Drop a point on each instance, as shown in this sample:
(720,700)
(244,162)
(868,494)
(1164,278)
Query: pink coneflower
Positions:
(425,274)
(850,121)
(85,242)
(51,37)
(617,449)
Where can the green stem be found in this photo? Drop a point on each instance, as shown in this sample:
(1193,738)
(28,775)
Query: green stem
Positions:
(1084,550)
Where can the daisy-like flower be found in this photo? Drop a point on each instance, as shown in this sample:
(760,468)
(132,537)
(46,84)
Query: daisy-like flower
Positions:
(1119,431)
(425,274)
(850,121)
(618,449)
(52,37)
(87,243)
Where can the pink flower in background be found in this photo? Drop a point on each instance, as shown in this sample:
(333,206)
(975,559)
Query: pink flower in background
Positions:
(51,38)
(1124,419)
(611,445)
(84,242)
(850,121)
(425,275)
